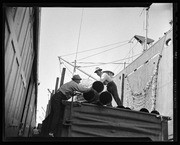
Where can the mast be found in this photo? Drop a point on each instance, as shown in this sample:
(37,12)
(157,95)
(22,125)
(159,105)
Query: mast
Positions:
(78,43)
(146,28)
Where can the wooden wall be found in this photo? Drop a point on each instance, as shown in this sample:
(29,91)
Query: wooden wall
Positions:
(21,55)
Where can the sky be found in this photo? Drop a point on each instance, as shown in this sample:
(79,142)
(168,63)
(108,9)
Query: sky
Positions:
(99,35)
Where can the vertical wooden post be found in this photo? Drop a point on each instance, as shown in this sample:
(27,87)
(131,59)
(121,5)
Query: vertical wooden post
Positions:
(124,65)
(62,76)
(57,81)
(122,89)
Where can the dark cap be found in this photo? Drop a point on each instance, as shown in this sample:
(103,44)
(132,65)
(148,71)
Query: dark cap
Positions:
(76,77)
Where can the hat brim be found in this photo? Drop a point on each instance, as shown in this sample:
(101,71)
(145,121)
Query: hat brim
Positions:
(97,70)
(107,71)
(76,79)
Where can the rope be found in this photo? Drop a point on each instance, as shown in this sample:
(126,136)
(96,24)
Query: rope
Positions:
(78,41)
(102,51)
(109,62)
(127,55)
(98,65)
(94,48)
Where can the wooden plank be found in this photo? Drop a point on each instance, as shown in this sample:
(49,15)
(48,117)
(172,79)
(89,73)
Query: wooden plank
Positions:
(26,50)
(9,59)
(26,60)
(62,76)
(30,112)
(30,64)
(20,103)
(10,88)
(17,102)
(13,11)
(24,29)
(20,12)
(25,43)
(27,99)
(13,105)
(7,36)
(56,86)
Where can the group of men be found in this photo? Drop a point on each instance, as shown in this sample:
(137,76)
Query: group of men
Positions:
(66,91)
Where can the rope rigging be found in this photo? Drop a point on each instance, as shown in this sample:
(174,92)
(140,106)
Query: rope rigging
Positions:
(94,48)
(78,43)
(102,51)
(127,55)
(110,62)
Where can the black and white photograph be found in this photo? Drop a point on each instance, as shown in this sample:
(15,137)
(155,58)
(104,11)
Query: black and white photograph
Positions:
(82,72)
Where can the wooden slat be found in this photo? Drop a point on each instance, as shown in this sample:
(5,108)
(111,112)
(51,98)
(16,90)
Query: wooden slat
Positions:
(9,59)
(13,106)
(19,102)
(18,20)
(27,99)
(25,43)
(30,112)
(7,35)
(10,89)
(23,30)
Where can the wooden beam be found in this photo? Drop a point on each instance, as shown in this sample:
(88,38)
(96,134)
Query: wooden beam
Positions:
(57,81)
(62,76)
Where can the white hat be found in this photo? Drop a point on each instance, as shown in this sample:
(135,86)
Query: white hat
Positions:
(108,71)
(97,69)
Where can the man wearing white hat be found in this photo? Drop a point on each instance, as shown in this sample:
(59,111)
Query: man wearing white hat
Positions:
(111,86)
(65,92)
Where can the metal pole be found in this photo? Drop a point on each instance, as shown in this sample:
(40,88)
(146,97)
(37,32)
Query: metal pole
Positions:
(146,28)
(122,89)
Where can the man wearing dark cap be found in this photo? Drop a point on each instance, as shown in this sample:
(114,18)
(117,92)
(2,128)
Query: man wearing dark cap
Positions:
(111,86)
(65,92)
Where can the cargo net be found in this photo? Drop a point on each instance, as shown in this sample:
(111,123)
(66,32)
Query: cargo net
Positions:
(141,86)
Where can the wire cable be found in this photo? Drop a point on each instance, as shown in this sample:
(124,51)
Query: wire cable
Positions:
(102,52)
(127,55)
(94,48)
(78,42)
(112,62)
(98,65)
(67,68)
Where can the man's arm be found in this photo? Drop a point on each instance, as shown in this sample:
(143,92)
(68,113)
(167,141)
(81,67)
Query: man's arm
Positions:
(104,78)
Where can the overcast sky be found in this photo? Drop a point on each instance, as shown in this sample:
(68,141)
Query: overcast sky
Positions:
(104,31)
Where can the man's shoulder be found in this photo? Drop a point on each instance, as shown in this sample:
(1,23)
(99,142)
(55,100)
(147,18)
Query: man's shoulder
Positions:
(104,74)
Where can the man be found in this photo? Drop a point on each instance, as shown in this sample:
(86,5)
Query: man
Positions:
(110,73)
(65,92)
(111,86)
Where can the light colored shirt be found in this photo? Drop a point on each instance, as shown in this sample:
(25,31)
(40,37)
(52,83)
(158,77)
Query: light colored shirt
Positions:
(105,78)
(69,88)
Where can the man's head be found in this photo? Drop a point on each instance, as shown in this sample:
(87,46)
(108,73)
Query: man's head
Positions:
(76,78)
(98,71)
